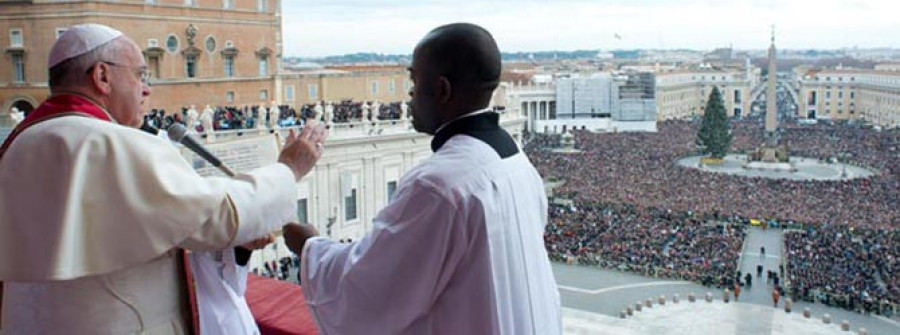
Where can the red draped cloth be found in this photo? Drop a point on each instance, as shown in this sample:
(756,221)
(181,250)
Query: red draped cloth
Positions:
(279,307)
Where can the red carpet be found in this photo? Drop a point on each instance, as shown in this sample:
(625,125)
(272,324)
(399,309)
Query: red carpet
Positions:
(279,307)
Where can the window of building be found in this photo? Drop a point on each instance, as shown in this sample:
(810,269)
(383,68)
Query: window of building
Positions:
(229,66)
(374,88)
(190,2)
(60,31)
(391,189)
(16,40)
(302,211)
(350,206)
(190,66)
(350,186)
(313,91)
(264,95)
(737,96)
(289,93)
(262,5)
(828,95)
(228,4)
(153,63)
(841,95)
(210,44)
(391,88)
(229,96)
(852,95)
(150,1)
(263,65)
(18,60)
(172,43)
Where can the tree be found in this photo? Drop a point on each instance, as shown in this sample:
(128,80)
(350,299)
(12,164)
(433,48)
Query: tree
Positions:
(714,135)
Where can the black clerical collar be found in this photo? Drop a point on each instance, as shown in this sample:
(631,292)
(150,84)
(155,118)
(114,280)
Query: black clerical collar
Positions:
(483,126)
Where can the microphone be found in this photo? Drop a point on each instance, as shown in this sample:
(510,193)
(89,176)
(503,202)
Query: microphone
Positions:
(178,133)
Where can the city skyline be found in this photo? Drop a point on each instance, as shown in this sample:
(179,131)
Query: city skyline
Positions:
(319,28)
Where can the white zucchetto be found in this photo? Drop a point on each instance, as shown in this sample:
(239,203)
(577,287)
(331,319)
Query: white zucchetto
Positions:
(79,40)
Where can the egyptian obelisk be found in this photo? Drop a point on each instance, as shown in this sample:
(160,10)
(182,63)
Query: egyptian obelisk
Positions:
(771,134)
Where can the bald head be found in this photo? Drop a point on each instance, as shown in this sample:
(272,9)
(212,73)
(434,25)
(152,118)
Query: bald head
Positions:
(465,54)
(455,70)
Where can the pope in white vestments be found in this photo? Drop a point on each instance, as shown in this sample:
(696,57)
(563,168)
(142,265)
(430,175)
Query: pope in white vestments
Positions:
(93,211)
(459,249)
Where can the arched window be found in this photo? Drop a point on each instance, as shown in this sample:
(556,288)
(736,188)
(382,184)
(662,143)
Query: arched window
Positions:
(190,66)
(172,43)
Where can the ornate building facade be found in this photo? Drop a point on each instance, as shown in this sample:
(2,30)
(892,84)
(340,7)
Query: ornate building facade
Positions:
(222,52)
(850,94)
(682,94)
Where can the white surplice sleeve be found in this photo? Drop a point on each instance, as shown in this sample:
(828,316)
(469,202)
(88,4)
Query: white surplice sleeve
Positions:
(393,275)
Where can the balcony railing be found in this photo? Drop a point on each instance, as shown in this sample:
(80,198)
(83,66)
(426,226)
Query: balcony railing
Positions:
(339,131)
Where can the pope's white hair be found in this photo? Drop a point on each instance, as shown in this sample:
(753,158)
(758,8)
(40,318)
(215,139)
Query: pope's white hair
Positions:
(73,71)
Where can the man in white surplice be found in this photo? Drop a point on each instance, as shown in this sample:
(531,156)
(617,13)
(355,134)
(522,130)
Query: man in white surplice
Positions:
(459,249)
(94,212)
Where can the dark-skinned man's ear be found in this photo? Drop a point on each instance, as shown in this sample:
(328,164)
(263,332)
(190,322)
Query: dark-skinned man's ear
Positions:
(445,90)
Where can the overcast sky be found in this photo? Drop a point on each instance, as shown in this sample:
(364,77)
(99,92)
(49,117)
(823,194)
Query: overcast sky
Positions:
(315,28)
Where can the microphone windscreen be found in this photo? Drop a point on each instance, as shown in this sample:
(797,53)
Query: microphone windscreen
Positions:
(176,132)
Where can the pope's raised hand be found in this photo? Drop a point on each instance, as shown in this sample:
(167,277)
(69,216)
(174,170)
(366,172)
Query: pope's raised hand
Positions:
(302,151)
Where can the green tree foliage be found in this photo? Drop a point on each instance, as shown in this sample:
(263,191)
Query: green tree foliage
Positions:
(714,135)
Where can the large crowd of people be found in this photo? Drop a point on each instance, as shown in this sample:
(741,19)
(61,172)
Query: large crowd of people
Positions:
(636,176)
(649,241)
(641,169)
(224,117)
(347,111)
(250,117)
(849,267)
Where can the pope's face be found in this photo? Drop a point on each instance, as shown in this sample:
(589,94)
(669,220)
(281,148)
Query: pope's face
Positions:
(130,90)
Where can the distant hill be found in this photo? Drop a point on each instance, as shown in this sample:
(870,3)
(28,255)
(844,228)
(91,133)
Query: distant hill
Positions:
(371,57)
(819,57)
